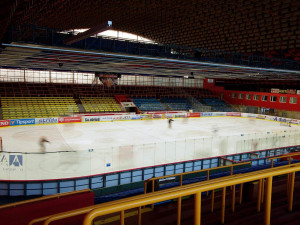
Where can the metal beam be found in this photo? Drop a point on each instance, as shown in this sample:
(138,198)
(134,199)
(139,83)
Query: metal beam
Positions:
(92,31)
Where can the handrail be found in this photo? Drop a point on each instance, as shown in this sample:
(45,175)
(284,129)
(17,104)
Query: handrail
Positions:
(63,215)
(289,156)
(15,204)
(75,212)
(191,172)
(51,218)
(179,192)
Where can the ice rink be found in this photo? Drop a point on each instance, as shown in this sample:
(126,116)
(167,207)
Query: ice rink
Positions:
(105,135)
(100,147)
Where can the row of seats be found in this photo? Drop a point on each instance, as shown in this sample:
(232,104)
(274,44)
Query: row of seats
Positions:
(34,107)
(149,104)
(30,107)
(177,103)
(218,105)
(101,104)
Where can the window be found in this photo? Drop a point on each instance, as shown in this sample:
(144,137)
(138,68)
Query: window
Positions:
(273,99)
(293,100)
(241,96)
(256,97)
(264,98)
(248,96)
(233,95)
(282,99)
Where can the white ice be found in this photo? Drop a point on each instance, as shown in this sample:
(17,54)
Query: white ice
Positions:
(122,145)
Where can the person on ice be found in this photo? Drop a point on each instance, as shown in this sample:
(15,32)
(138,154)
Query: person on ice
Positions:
(170,123)
(42,142)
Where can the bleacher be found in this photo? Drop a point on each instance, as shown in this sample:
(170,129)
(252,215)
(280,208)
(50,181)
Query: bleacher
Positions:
(177,103)
(37,107)
(100,104)
(218,105)
(148,104)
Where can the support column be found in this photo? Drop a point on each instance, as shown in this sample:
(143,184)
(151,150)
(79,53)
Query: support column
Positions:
(241,193)
(122,218)
(233,199)
(212,200)
(223,205)
(140,216)
(179,211)
(291,191)
(268,201)
(197,209)
(259,195)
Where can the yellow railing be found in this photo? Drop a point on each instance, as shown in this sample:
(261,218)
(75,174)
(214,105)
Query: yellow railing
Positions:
(153,179)
(44,198)
(197,189)
(289,156)
(59,216)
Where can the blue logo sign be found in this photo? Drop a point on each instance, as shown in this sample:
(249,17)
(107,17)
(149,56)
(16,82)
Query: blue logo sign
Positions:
(16,160)
(46,120)
(206,114)
(22,122)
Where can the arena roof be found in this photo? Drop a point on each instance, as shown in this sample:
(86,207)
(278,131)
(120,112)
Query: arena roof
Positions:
(247,26)
(228,25)
(30,56)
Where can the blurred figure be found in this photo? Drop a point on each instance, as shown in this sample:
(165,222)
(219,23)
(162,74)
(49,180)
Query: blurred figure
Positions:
(42,142)
(215,130)
(185,120)
(170,123)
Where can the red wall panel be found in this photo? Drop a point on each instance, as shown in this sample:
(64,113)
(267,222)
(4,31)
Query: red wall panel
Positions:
(227,96)
(23,214)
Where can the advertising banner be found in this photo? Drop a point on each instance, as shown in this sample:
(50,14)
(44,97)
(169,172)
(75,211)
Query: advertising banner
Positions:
(18,122)
(145,116)
(180,115)
(274,90)
(169,115)
(91,118)
(136,117)
(219,114)
(46,120)
(193,115)
(262,117)
(294,121)
(128,104)
(206,114)
(69,119)
(156,116)
(291,91)
(4,123)
(233,114)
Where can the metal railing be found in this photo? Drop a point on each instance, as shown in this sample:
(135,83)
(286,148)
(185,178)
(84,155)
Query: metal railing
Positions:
(197,189)
(48,219)
(152,180)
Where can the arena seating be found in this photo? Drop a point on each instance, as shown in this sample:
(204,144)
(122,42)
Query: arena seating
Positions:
(177,103)
(218,105)
(148,104)
(95,99)
(100,104)
(197,106)
(36,107)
